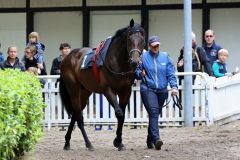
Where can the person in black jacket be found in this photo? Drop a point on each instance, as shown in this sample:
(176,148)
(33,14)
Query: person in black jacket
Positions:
(30,61)
(12,60)
(199,59)
(64,51)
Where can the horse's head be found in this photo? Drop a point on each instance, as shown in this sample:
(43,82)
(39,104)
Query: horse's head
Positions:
(135,42)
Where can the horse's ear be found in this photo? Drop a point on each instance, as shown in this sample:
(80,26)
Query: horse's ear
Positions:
(131,23)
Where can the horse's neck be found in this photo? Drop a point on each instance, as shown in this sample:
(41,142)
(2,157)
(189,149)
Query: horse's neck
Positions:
(117,55)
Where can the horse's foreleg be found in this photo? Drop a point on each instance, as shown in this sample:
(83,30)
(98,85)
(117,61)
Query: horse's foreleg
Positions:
(123,100)
(69,132)
(81,126)
(118,140)
(112,99)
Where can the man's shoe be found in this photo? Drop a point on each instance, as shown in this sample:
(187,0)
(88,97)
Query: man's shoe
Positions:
(158,144)
(149,143)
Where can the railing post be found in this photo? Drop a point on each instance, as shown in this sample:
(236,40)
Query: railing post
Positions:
(49,104)
(188,110)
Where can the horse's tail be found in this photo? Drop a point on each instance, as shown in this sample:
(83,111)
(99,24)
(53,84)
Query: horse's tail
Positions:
(65,97)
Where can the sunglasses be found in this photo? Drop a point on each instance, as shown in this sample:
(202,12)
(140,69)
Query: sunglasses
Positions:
(209,36)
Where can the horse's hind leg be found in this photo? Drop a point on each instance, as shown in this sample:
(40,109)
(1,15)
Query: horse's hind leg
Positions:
(69,132)
(80,120)
(81,126)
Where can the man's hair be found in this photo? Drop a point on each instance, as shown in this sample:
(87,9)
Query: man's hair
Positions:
(32,48)
(33,70)
(210,31)
(11,46)
(62,45)
(223,51)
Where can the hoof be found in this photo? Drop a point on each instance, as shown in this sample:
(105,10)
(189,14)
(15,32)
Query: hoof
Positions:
(66,146)
(116,143)
(90,147)
(121,147)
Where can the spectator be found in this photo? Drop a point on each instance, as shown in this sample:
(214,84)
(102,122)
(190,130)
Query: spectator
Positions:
(155,71)
(219,66)
(199,58)
(210,46)
(30,61)
(55,69)
(1,55)
(12,60)
(34,71)
(34,40)
(64,51)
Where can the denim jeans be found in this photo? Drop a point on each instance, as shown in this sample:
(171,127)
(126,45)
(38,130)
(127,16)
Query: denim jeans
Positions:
(153,103)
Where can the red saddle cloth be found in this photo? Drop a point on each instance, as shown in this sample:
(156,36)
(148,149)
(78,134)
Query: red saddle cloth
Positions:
(95,68)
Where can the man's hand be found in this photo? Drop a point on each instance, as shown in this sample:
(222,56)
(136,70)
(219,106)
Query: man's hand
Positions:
(39,65)
(180,63)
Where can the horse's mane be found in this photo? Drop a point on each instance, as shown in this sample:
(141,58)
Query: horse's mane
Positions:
(119,32)
(122,30)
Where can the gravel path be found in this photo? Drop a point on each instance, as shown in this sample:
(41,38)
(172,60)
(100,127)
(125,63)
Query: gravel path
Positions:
(191,143)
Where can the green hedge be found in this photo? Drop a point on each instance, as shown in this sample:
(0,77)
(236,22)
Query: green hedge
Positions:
(21,112)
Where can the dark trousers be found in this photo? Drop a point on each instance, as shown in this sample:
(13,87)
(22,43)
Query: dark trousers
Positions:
(153,103)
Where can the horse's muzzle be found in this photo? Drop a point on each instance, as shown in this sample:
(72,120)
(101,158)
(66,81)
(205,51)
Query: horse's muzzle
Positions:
(135,62)
(135,56)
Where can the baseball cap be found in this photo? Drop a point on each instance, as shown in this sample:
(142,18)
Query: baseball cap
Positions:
(154,40)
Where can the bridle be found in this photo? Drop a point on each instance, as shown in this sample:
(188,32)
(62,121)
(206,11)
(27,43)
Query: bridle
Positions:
(135,32)
(135,49)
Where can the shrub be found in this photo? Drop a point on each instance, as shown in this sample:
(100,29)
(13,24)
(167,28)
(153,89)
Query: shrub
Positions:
(21,106)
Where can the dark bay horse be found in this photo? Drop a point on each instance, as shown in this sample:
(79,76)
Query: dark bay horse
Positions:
(116,77)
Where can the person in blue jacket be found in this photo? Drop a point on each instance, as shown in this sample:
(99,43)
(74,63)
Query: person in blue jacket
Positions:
(1,55)
(155,71)
(219,67)
(40,47)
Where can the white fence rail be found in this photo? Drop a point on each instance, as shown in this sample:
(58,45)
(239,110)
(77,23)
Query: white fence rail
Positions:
(99,111)
(223,97)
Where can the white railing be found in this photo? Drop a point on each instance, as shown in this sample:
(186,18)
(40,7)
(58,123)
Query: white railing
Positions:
(99,111)
(223,97)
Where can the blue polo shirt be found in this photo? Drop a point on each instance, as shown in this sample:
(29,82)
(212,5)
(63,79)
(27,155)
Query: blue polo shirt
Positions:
(212,52)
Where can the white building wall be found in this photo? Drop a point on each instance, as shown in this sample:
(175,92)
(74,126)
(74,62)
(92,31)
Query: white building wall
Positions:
(55,28)
(169,26)
(13,31)
(226,24)
(105,23)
